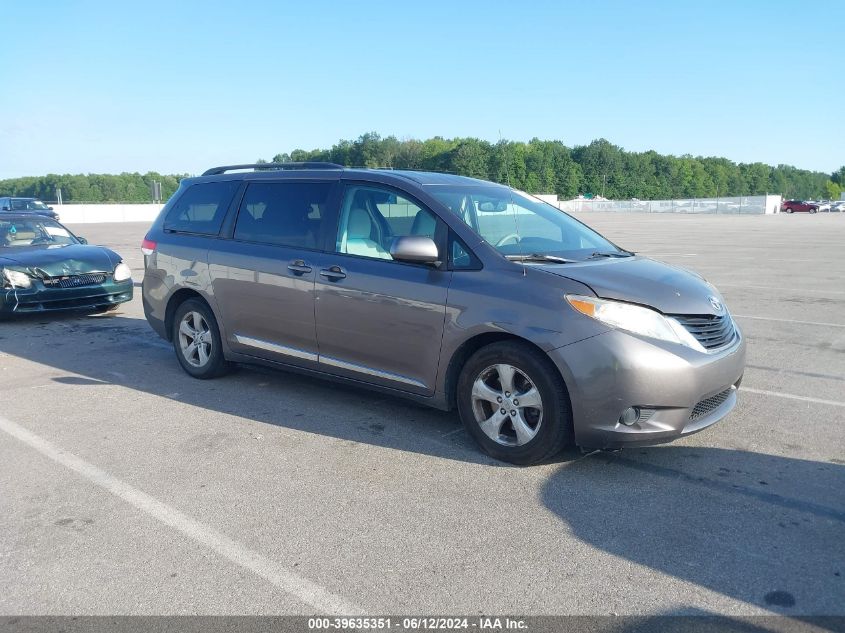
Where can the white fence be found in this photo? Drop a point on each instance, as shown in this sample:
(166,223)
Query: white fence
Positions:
(91,213)
(746,205)
(750,205)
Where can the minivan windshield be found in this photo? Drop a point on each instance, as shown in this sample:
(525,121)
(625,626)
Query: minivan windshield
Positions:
(522,227)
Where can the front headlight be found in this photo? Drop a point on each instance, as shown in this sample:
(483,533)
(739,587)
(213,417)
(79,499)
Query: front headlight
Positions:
(16,279)
(633,318)
(122,272)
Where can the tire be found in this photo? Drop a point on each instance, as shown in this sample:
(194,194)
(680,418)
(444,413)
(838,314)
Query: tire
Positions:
(201,361)
(543,431)
(105,309)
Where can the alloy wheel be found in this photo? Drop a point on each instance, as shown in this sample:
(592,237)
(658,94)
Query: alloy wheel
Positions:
(507,405)
(195,339)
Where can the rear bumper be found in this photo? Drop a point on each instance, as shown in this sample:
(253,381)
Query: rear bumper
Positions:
(154,296)
(40,299)
(678,390)
(157,324)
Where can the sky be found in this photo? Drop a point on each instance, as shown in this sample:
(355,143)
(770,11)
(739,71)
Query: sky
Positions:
(180,86)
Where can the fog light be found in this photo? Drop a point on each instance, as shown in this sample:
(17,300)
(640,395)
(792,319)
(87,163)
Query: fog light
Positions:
(629,416)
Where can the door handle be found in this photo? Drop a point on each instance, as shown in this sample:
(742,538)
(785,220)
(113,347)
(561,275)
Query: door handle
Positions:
(299,267)
(334,273)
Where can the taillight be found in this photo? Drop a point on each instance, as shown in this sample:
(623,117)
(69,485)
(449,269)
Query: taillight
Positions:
(148,246)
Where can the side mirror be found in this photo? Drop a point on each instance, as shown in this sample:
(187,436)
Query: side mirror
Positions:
(6,209)
(81,240)
(50,208)
(415,249)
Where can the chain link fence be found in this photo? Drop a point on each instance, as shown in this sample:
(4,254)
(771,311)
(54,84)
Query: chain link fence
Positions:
(739,205)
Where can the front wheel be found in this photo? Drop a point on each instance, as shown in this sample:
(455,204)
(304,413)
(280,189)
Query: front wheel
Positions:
(104,309)
(196,340)
(512,400)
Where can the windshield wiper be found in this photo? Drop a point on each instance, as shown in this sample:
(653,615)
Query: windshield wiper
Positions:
(598,254)
(538,257)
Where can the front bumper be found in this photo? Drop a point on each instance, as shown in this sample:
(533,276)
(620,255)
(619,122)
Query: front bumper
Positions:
(679,390)
(41,299)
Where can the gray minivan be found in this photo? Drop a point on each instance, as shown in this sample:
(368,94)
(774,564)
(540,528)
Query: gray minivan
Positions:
(452,291)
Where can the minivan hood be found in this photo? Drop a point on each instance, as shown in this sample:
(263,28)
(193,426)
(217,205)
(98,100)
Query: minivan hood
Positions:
(669,289)
(71,259)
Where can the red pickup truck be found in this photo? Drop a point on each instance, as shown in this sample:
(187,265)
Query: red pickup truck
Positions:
(791,206)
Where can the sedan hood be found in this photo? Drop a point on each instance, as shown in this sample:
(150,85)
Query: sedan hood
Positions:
(56,261)
(669,289)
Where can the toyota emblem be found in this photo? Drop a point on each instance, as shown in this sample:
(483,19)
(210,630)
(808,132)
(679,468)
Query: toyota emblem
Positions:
(716,304)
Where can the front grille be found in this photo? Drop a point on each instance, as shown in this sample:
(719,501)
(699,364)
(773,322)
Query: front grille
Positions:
(37,304)
(75,281)
(645,414)
(711,331)
(709,404)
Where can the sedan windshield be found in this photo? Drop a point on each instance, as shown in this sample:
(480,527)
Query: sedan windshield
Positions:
(28,205)
(34,232)
(522,227)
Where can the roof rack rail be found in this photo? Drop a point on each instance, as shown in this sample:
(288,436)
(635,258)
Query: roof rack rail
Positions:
(216,171)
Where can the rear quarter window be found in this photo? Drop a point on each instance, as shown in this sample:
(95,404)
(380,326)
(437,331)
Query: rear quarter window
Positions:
(201,208)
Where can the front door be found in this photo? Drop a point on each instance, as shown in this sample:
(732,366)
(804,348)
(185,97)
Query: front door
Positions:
(380,320)
(263,278)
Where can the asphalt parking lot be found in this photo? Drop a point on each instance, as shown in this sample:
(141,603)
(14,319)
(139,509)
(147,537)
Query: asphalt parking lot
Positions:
(127,487)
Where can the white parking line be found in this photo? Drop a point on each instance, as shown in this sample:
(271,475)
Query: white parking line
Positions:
(759,318)
(792,396)
(779,289)
(297,586)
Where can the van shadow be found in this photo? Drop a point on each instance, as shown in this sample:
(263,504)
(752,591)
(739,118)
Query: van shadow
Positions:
(766,530)
(118,349)
(763,529)
(694,621)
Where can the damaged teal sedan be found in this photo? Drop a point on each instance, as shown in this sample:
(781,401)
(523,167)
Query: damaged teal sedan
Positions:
(44,267)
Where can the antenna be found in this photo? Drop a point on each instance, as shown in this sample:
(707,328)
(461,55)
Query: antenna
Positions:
(513,206)
(507,162)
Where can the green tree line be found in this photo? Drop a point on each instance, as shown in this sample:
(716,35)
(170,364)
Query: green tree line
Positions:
(599,168)
(124,187)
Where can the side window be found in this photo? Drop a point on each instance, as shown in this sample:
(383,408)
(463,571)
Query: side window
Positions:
(283,213)
(372,217)
(201,208)
(460,256)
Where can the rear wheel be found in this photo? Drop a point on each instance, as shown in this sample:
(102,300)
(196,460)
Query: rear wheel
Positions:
(513,402)
(196,340)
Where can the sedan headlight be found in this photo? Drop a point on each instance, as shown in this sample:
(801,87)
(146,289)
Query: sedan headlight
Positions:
(634,318)
(16,279)
(122,272)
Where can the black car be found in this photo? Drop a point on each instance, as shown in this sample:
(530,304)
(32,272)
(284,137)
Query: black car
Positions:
(45,267)
(10,204)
